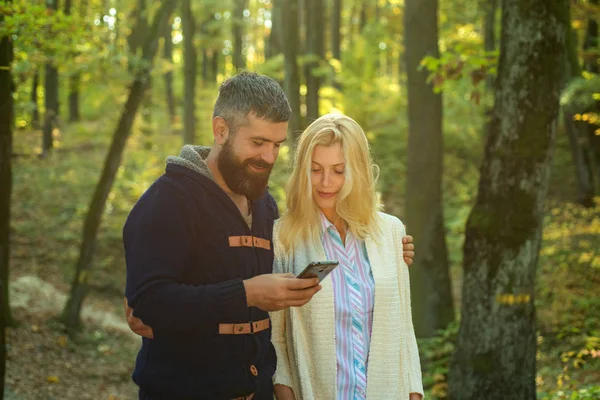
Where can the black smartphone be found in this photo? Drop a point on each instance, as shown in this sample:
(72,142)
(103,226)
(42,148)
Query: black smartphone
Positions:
(318,269)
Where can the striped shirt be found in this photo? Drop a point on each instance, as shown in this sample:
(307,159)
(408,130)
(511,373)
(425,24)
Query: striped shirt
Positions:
(354,290)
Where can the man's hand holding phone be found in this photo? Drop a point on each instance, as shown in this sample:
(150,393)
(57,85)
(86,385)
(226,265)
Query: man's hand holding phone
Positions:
(274,292)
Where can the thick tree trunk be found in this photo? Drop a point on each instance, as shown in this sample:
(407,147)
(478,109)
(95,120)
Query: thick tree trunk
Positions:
(495,355)
(168,55)
(72,310)
(292,76)
(6,140)
(430,279)
(314,48)
(35,114)
(188,25)
(239,61)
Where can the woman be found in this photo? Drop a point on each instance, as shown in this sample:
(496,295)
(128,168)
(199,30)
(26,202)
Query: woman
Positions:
(355,338)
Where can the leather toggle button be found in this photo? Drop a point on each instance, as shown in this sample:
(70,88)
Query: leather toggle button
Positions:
(240,328)
(253,370)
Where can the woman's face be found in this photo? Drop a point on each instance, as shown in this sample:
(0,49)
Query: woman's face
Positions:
(327,175)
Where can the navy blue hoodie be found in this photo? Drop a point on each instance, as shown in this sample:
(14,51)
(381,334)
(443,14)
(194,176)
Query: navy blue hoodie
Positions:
(184,279)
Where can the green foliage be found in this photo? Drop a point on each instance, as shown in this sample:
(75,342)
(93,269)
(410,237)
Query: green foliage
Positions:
(436,354)
(29,25)
(582,94)
(589,393)
(567,311)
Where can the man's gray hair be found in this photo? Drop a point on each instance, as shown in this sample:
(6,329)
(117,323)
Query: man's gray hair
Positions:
(249,92)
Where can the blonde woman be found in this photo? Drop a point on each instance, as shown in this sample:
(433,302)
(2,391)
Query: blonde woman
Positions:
(355,338)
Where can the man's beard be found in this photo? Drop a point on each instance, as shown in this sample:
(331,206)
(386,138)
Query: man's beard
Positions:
(238,176)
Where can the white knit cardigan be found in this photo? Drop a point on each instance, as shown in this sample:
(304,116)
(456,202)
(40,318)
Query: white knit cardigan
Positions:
(304,337)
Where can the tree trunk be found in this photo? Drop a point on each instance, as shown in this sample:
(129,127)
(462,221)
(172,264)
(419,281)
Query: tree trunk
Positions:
(495,355)
(314,49)
(489,33)
(206,39)
(188,26)
(591,42)
(35,114)
(51,102)
(336,29)
(591,65)
(362,19)
(74,82)
(336,37)
(2,344)
(6,139)
(239,61)
(214,59)
(289,14)
(168,55)
(577,131)
(430,279)
(50,96)
(581,159)
(74,114)
(72,310)
(205,65)
(139,21)
(274,43)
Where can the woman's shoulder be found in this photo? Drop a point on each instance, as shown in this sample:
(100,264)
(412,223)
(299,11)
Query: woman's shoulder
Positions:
(389,221)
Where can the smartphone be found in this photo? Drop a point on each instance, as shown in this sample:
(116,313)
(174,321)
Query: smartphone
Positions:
(318,269)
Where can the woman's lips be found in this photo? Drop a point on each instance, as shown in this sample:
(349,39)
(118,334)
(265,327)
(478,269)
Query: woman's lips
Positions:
(326,195)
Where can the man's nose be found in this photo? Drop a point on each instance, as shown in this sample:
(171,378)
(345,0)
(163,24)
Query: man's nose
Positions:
(270,154)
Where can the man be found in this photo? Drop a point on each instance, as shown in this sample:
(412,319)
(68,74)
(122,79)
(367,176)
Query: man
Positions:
(199,257)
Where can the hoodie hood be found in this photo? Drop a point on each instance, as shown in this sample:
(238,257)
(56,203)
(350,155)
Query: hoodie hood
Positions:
(192,157)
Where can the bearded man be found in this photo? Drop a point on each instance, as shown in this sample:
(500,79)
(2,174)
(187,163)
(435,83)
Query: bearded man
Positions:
(199,256)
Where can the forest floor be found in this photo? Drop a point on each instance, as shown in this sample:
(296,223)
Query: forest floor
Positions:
(43,363)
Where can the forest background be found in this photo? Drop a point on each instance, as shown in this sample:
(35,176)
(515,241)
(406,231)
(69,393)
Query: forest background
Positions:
(482,115)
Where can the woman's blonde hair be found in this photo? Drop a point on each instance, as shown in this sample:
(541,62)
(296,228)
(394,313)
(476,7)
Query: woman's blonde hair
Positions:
(356,203)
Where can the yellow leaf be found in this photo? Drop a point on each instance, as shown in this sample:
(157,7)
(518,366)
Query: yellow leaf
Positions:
(53,379)
(62,341)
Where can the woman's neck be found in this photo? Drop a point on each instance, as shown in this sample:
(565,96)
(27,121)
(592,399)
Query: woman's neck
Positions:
(333,217)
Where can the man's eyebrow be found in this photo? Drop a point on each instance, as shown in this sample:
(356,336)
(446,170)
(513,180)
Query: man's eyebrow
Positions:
(264,139)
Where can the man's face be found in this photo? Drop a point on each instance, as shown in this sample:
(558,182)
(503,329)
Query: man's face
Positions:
(248,155)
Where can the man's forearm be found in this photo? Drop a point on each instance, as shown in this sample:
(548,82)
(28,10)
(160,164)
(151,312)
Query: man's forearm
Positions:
(175,306)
